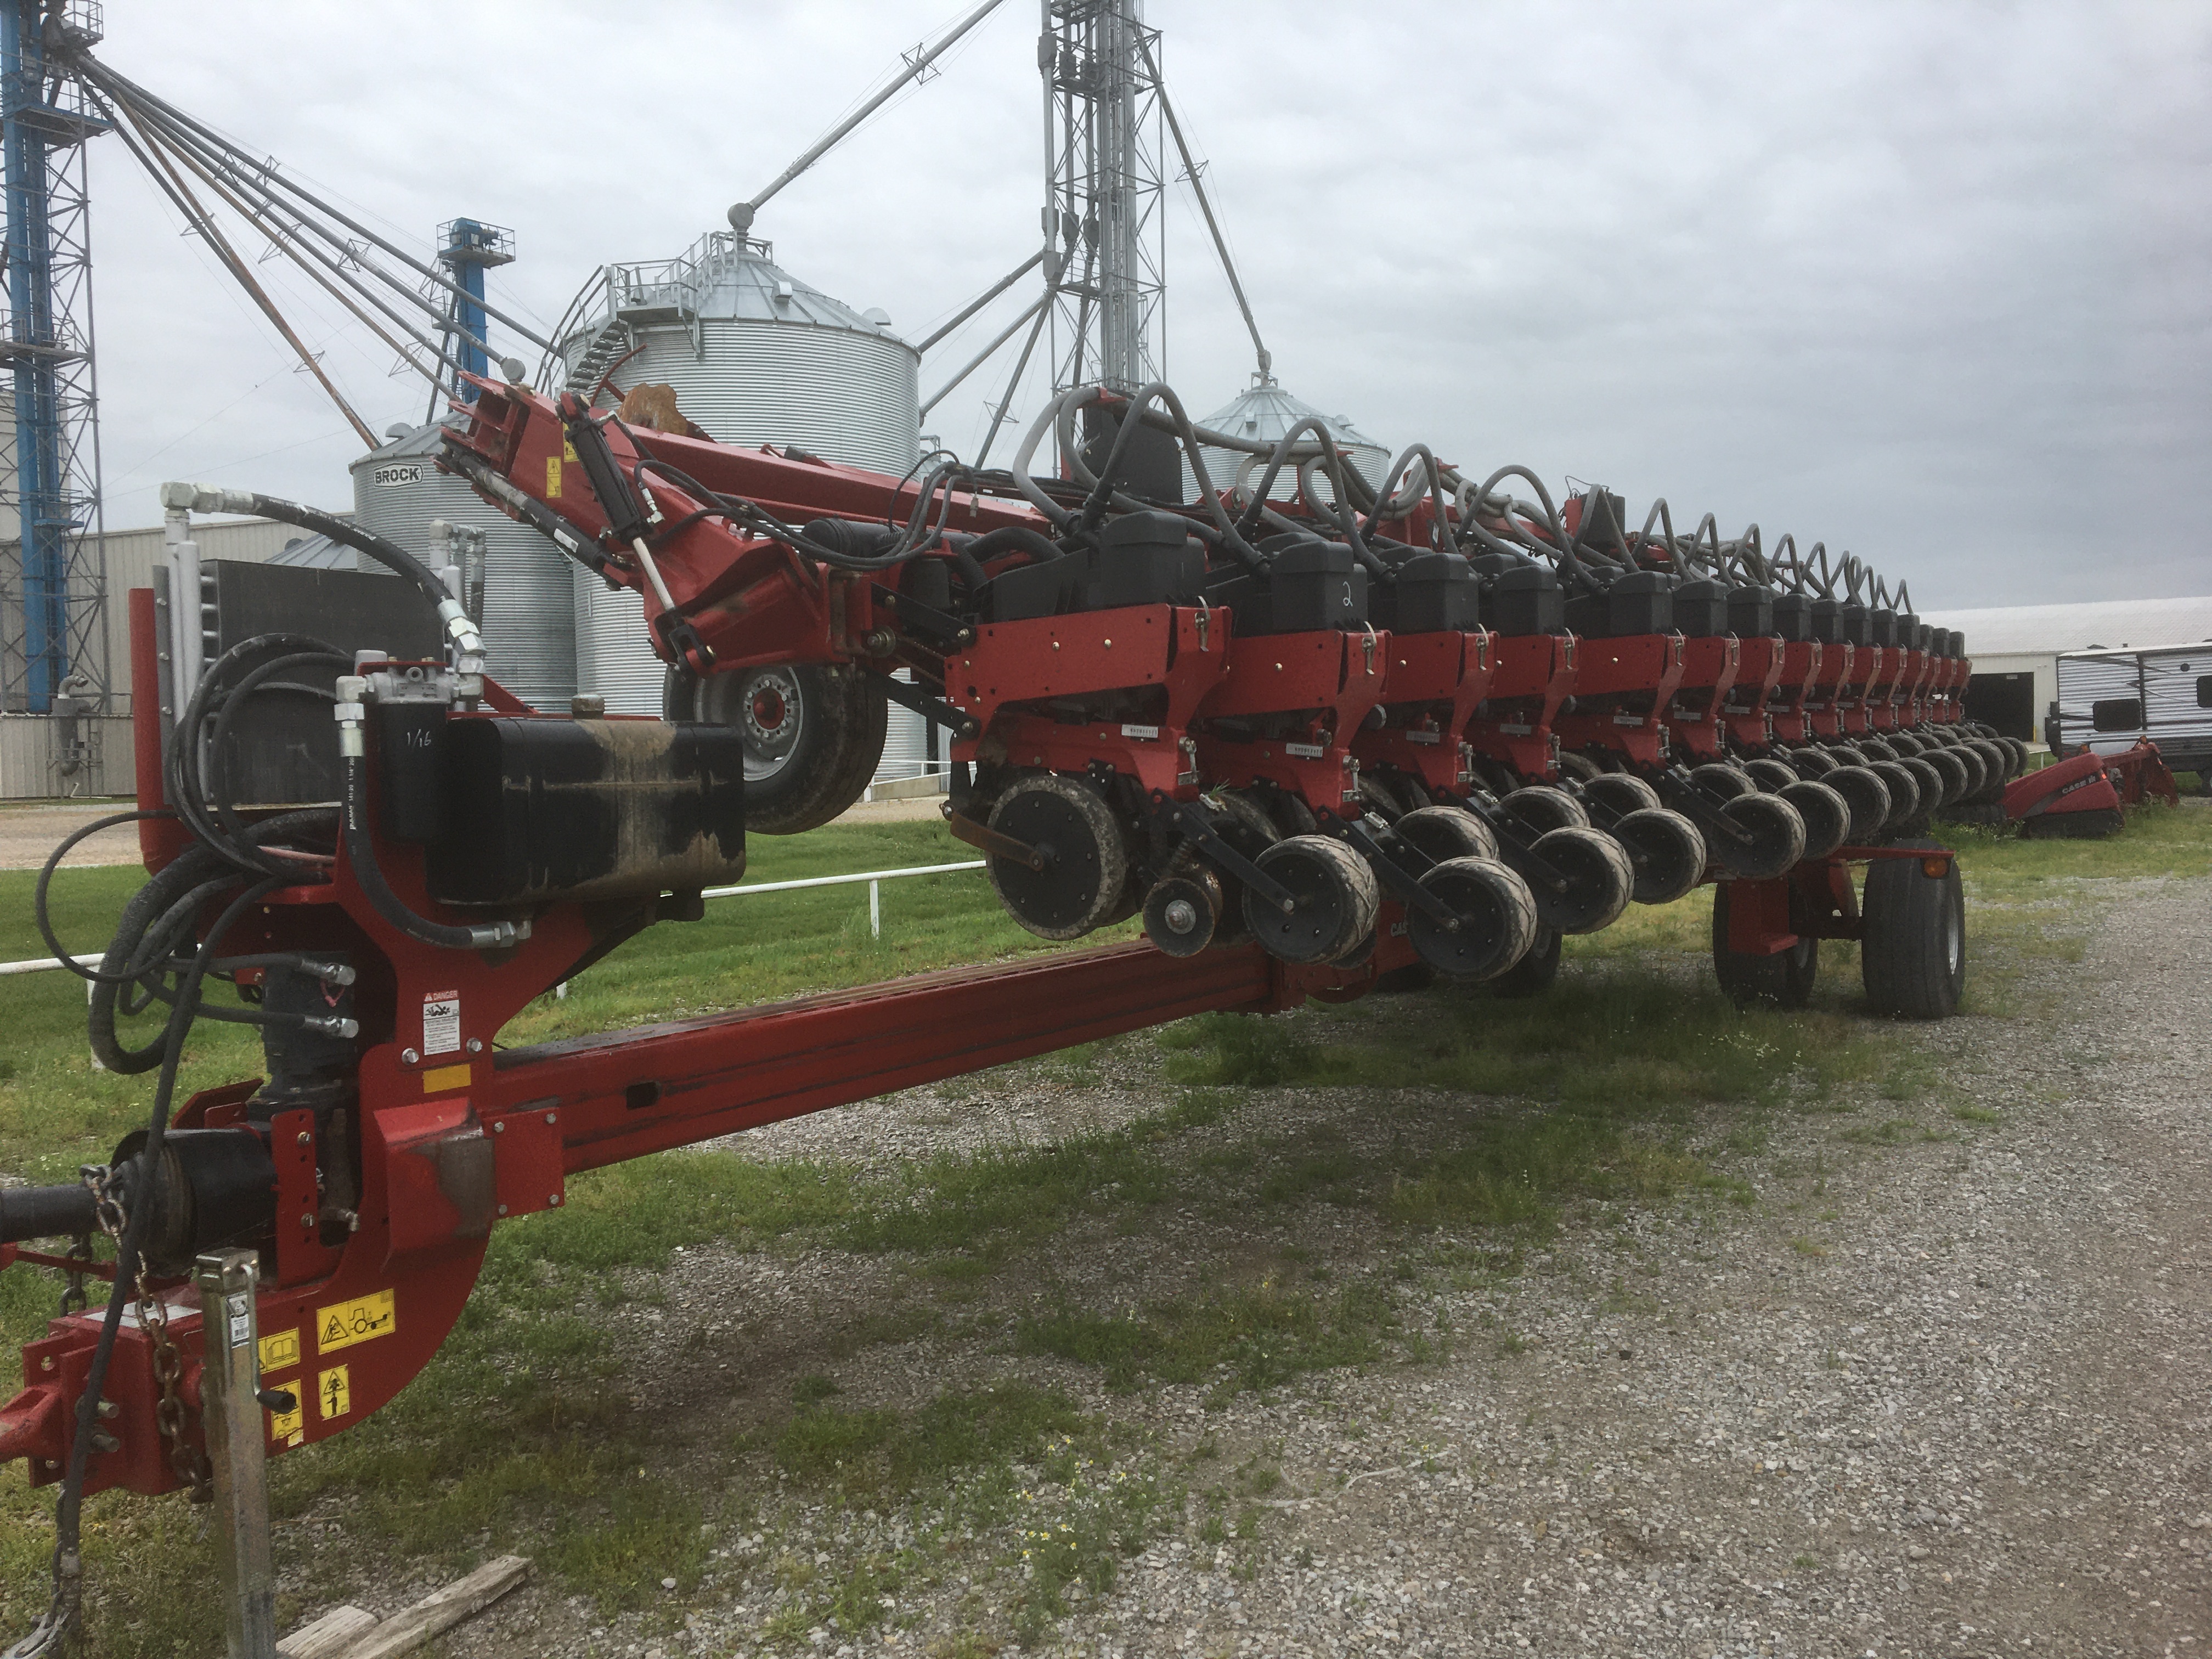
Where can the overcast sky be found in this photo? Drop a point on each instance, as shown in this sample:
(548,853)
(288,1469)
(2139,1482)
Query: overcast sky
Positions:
(1927,282)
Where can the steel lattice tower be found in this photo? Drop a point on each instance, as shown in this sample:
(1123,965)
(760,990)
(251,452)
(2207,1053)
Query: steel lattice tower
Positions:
(1104,174)
(53,590)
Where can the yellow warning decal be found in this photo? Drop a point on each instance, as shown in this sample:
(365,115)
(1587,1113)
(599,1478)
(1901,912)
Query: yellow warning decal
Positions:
(288,1426)
(362,1320)
(567,450)
(334,1392)
(445,1079)
(280,1350)
(552,475)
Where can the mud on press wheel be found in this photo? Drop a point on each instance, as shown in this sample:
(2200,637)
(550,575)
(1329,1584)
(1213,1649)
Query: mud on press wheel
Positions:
(813,737)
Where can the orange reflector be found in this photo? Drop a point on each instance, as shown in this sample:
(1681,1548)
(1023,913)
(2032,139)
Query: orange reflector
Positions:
(1935,869)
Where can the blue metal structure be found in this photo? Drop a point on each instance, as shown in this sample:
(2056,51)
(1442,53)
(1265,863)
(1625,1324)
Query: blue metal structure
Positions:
(51,625)
(468,249)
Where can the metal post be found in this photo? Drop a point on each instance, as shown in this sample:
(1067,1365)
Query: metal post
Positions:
(875,909)
(230,1411)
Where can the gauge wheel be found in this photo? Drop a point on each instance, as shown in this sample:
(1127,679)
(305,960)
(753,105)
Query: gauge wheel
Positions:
(1086,861)
(1721,783)
(1438,833)
(1539,808)
(1621,793)
(812,737)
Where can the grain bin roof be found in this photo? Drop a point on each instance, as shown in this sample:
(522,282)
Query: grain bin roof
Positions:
(2025,630)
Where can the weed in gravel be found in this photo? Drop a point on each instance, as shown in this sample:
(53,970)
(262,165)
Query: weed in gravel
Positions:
(1238,1339)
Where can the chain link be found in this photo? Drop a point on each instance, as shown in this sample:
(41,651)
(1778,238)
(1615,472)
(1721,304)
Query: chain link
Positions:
(191,1467)
(74,1297)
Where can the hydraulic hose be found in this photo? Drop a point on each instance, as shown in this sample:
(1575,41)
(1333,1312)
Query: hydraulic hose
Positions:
(361,845)
(453,620)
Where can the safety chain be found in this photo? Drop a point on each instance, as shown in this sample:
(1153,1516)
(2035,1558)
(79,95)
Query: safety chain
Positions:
(191,1467)
(74,1297)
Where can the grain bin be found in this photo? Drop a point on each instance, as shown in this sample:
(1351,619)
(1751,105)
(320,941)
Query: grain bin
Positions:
(754,356)
(1263,414)
(529,619)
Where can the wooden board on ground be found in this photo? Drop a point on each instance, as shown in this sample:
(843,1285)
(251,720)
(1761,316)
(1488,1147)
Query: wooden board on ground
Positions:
(349,1633)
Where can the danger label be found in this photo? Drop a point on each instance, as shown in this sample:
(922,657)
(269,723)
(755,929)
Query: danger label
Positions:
(552,475)
(362,1320)
(441,1022)
(334,1391)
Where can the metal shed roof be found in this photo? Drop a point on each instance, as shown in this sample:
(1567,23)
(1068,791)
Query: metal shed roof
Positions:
(2026,630)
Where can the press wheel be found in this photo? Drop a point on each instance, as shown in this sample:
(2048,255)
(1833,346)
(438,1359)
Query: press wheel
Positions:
(1771,775)
(1775,837)
(1336,900)
(1539,808)
(1868,797)
(1825,814)
(1599,881)
(1496,916)
(1666,852)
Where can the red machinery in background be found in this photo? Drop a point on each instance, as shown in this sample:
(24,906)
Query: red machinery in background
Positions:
(2079,796)
(1323,747)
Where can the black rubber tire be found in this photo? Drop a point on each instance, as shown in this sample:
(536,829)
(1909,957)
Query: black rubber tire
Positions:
(1997,759)
(1952,769)
(1969,763)
(1904,744)
(1338,901)
(1497,913)
(1581,768)
(1867,797)
(1771,775)
(1248,829)
(1289,812)
(1844,754)
(1912,952)
(800,779)
(1600,880)
(1085,880)
(1781,980)
(1542,808)
(1439,833)
(1876,749)
(1376,796)
(1779,836)
(1931,781)
(2018,750)
(1812,762)
(1826,816)
(1904,792)
(1672,852)
(1622,792)
(1412,792)
(1720,782)
(1536,972)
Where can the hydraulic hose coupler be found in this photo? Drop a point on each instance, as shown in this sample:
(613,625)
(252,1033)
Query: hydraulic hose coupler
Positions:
(352,691)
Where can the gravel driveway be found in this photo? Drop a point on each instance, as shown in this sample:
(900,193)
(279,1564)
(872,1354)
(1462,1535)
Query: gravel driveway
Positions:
(1935,1394)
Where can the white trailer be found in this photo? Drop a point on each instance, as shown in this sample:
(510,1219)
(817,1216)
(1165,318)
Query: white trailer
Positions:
(2109,699)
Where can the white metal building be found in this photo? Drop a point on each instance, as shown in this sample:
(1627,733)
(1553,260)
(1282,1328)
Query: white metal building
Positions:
(37,759)
(2016,649)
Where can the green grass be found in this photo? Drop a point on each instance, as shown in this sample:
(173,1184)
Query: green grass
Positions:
(1632,1083)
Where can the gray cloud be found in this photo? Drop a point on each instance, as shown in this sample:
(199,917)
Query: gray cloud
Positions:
(1926,282)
